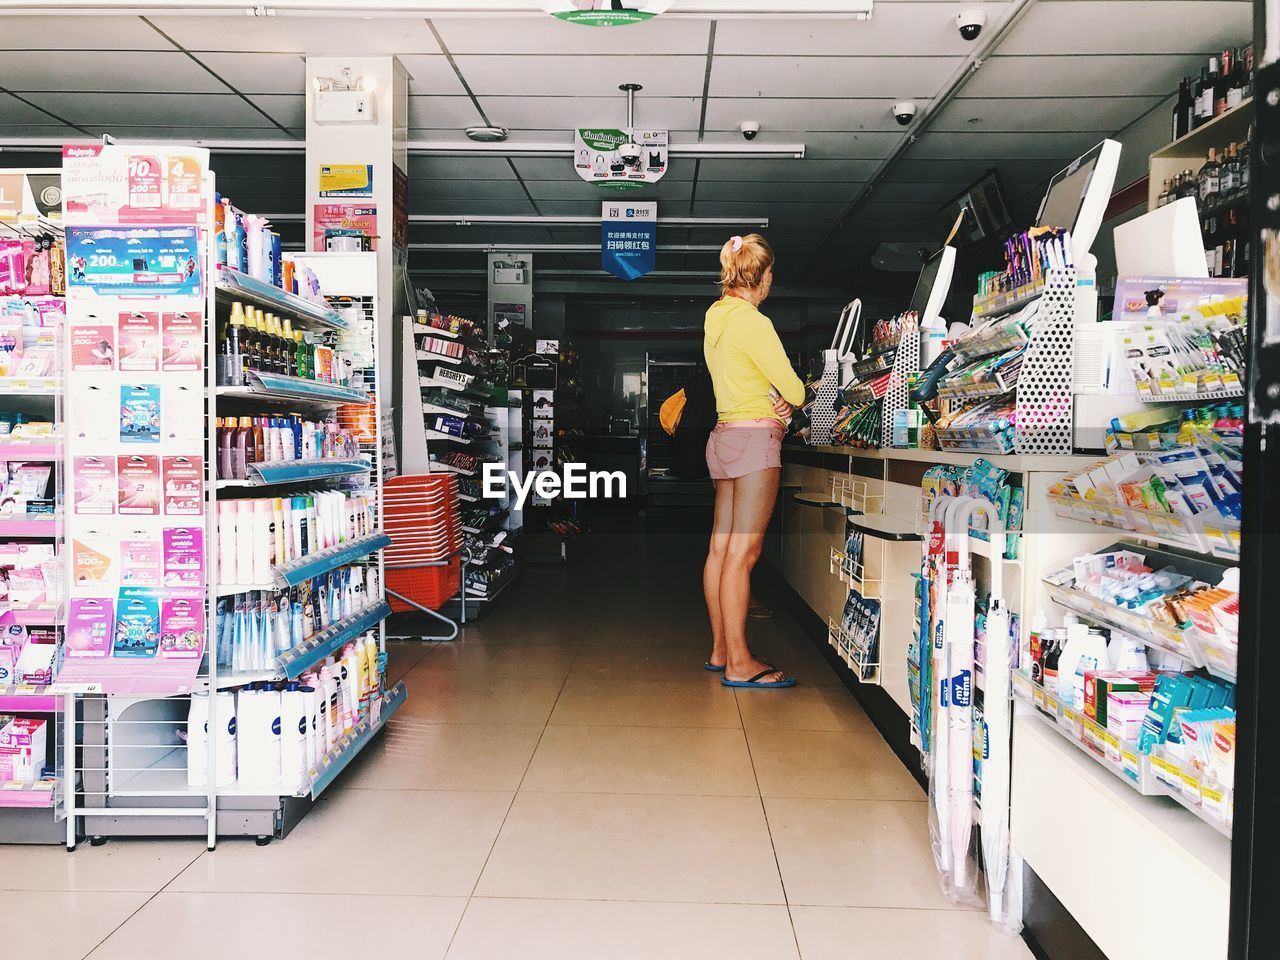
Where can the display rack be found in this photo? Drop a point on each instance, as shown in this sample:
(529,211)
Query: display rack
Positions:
(32,812)
(139,772)
(1043,397)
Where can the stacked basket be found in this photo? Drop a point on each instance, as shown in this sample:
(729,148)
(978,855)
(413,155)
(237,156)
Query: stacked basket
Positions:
(423,563)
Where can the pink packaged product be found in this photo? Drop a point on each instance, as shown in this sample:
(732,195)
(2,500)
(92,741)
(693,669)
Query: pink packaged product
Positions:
(90,625)
(1125,711)
(35,662)
(22,749)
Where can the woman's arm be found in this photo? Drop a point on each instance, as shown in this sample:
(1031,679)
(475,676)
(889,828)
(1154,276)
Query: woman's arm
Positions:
(765,350)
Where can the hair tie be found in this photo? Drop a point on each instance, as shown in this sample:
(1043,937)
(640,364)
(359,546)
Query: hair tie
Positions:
(736,243)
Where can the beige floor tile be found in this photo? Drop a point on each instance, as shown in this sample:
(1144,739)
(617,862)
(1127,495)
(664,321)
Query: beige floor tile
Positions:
(667,760)
(546,662)
(417,843)
(668,703)
(62,925)
(118,865)
(404,655)
(472,699)
(626,663)
(416,755)
(827,765)
(627,847)
(592,930)
(807,706)
(855,853)
(282,925)
(851,933)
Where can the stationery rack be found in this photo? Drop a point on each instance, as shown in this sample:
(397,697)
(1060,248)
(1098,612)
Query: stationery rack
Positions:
(1042,395)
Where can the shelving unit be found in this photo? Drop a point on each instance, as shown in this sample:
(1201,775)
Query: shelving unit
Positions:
(1189,152)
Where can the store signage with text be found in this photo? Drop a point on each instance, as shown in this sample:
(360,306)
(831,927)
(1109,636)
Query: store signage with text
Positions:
(629,239)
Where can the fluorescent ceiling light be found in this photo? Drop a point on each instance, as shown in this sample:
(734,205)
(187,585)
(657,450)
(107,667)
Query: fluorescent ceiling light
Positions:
(826,9)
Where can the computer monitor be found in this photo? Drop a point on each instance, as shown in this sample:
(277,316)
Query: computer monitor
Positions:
(934,284)
(1078,195)
(1163,243)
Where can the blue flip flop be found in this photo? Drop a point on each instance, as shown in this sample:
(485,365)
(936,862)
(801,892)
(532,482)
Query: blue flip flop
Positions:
(712,668)
(755,684)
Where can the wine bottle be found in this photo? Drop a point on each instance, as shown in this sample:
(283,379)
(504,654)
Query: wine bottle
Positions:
(1235,87)
(1197,97)
(1210,182)
(1212,80)
(1183,109)
(1224,81)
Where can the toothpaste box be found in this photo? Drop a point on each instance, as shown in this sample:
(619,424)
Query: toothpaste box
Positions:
(1099,684)
(1125,710)
(22,749)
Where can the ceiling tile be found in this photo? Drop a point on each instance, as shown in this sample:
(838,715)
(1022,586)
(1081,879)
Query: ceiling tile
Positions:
(547,36)
(463,207)
(424,189)
(580,235)
(995,147)
(460,168)
(965,172)
(567,112)
(224,110)
(779,213)
(37,131)
(561,168)
(317,36)
(106,71)
(775,190)
(14,111)
(432,76)
(570,208)
(1111,26)
(876,210)
(453,113)
(1100,114)
(902,29)
(804,114)
(801,170)
(123,131)
(1080,76)
(574,188)
(259,72)
(433,233)
(893,77)
(821,146)
(909,191)
(80,33)
(662,76)
(288,110)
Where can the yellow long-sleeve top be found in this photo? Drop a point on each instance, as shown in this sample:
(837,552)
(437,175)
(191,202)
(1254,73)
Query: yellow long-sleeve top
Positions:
(746,358)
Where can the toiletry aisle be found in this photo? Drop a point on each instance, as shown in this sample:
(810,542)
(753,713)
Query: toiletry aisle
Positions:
(564,782)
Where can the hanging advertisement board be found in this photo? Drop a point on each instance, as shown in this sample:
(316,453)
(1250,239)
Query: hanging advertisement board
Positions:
(629,239)
(605,13)
(106,184)
(597,159)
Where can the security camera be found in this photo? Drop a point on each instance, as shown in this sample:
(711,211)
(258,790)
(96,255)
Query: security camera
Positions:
(750,129)
(629,153)
(904,112)
(970,23)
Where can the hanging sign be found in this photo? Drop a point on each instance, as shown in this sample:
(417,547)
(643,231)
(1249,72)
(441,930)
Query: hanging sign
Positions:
(117,183)
(134,261)
(629,239)
(605,13)
(598,160)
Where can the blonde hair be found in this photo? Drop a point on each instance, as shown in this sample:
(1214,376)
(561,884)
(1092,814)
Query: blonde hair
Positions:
(744,262)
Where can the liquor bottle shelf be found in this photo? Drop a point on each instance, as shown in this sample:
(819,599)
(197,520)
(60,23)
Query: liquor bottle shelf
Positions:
(233,285)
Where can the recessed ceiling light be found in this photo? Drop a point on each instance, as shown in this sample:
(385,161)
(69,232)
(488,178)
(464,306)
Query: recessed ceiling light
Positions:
(487,134)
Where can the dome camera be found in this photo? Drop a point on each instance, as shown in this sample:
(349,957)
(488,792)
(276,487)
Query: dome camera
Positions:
(629,153)
(970,24)
(904,112)
(750,129)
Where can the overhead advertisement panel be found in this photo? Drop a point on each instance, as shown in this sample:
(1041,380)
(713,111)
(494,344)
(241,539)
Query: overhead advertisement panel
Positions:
(605,13)
(599,157)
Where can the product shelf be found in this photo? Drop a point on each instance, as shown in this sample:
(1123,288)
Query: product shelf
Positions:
(234,285)
(1105,748)
(277,387)
(438,467)
(12,450)
(27,795)
(37,614)
(420,329)
(28,698)
(1006,301)
(1186,790)
(294,663)
(302,471)
(433,357)
(36,525)
(30,386)
(450,438)
(1190,396)
(857,657)
(1181,643)
(441,409)
(313,565)
(340,757)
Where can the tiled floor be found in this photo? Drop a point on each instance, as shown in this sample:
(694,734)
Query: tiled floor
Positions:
(564,782)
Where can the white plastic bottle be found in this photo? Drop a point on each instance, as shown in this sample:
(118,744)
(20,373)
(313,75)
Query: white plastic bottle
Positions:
(294,734)
(1085,650)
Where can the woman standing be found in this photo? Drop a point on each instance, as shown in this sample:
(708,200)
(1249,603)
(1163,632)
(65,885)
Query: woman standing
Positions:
(744,454)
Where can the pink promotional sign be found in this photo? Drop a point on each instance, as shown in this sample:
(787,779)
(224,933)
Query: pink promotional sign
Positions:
(123,184)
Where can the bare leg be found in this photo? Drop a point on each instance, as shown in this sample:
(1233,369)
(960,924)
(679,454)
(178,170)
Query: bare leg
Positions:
(714,568)
(753,500)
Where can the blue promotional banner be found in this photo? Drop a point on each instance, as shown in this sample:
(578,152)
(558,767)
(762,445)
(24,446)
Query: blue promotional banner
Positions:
(134,261)
(629,239)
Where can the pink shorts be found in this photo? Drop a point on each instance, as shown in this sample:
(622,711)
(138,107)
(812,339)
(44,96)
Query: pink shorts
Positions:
(745,446)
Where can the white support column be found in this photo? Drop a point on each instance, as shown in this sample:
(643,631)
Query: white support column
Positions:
(361,139)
